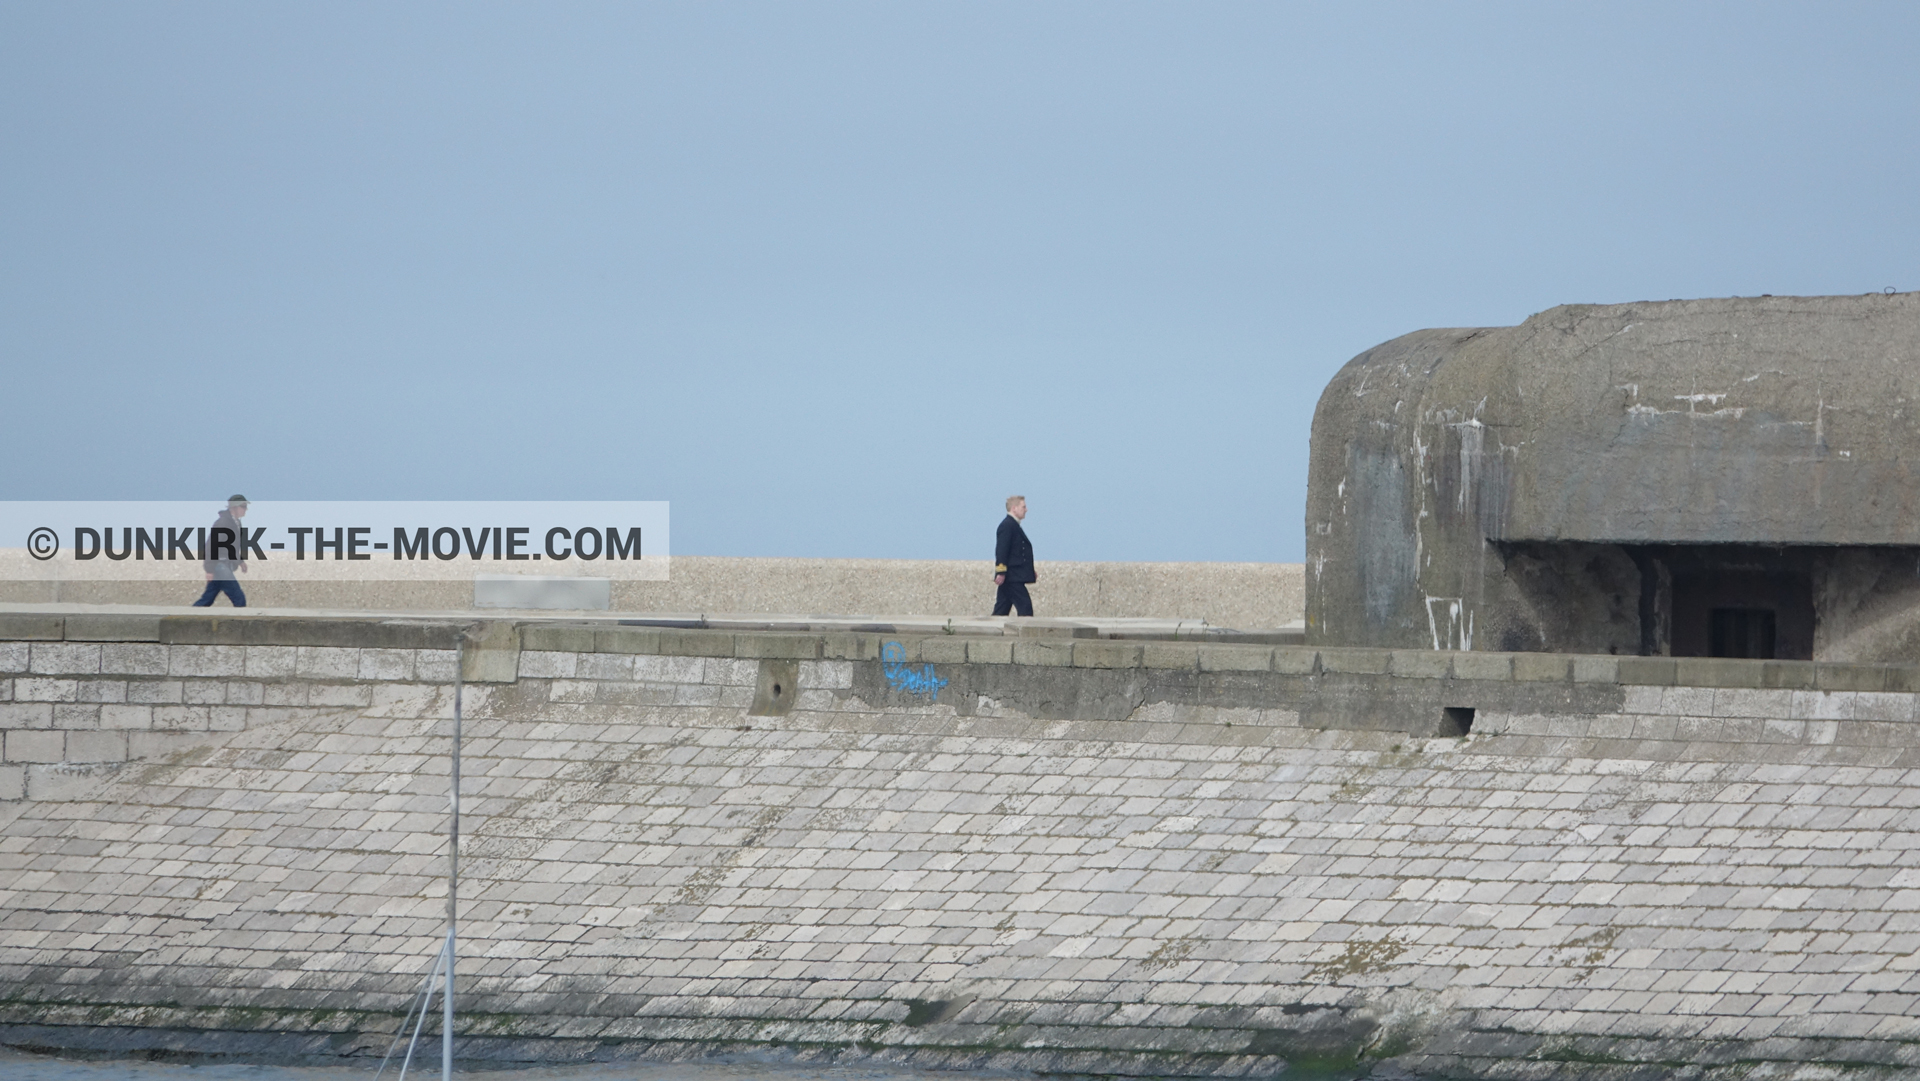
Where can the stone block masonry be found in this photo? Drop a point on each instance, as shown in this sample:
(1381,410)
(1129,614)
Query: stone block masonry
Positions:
(1072,856)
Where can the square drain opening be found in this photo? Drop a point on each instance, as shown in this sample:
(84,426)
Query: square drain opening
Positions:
(1456,720)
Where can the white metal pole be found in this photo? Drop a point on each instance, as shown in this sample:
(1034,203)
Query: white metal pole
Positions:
(453,869)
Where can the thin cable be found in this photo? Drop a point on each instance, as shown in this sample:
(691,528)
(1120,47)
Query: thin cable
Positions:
(419,1003)
(415,1042)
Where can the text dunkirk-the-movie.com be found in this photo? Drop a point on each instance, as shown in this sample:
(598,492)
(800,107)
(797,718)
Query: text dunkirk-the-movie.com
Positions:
(332,539)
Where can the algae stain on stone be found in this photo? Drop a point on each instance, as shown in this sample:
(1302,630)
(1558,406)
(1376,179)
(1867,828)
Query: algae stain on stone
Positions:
(1586,953)
(1171,953)
(702,883)
(1351,792)
(1358,959)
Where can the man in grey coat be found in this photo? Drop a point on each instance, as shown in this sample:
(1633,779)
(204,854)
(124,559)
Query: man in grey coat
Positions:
(220,572)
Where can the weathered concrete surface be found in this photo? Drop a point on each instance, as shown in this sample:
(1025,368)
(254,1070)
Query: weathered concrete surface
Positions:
(1243,595)
(1538,487)
(1630,877)
(84,692)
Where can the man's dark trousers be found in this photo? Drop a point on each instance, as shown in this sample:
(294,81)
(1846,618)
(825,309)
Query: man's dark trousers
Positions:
(1013,566)
(1012,597)
(231,588)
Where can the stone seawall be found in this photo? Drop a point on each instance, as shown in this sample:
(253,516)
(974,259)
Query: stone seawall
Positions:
(1063,855)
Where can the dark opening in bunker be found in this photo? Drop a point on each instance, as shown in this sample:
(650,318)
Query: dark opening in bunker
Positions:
(1740,601)
(1679,600)
(1456,720)
(1741,632)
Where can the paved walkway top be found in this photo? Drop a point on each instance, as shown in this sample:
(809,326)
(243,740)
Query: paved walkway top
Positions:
(1112,627)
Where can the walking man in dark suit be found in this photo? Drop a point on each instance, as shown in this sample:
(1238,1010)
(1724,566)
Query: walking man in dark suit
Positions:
(1013,561)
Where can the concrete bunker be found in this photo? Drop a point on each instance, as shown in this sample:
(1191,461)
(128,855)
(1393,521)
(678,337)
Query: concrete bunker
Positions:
(1710,478)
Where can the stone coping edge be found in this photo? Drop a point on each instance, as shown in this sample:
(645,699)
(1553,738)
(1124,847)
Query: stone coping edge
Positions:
(497,635)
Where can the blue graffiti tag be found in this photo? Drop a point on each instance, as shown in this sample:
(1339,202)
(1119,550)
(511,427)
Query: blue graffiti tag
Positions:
(908,680)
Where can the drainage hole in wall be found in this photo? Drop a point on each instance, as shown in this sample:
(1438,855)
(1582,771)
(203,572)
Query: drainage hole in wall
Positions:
(1456,720)
(776,690)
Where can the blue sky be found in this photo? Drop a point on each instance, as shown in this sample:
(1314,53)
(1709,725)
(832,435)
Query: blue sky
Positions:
(834,278)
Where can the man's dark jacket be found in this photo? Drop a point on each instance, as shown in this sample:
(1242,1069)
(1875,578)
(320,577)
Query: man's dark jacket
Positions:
(1012,552)
(223,568)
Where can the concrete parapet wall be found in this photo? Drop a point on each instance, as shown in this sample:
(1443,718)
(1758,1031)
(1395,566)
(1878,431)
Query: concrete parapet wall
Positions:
(90,691)
(1245,595)
(1071,855)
